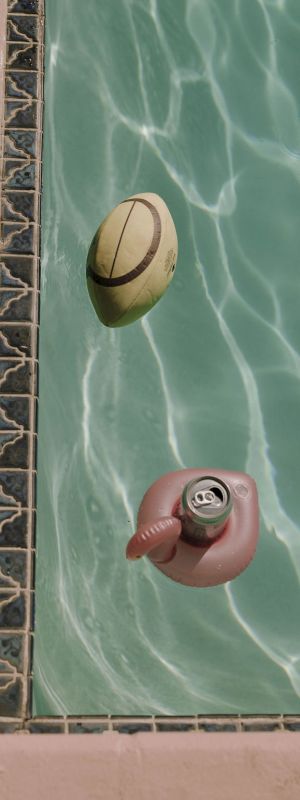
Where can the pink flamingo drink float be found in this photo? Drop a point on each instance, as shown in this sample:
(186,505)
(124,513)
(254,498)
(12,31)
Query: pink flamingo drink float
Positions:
(200,527)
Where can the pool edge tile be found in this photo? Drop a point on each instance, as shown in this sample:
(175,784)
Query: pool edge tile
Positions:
(21,115)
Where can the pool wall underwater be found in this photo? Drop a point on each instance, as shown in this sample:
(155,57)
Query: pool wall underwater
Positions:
(21,29)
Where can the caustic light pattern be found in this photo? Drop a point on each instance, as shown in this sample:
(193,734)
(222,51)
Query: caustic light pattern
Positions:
(198,102)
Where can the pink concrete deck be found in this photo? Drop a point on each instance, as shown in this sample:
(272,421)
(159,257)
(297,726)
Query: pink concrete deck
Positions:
(175,766)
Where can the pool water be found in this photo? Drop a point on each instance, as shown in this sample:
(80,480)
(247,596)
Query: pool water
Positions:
(198,101)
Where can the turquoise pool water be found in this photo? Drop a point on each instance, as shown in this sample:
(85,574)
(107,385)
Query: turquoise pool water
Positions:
(198,101)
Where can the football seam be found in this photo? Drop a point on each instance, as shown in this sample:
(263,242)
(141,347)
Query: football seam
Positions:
(147,279)
(148,258)
(121,237)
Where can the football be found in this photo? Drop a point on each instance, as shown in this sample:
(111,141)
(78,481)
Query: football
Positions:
(132,259)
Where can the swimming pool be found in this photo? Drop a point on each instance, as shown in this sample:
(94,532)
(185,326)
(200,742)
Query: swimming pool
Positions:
(199,106)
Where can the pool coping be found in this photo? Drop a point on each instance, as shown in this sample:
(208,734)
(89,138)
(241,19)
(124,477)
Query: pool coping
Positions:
(146,766)
(21,142)
(21,115)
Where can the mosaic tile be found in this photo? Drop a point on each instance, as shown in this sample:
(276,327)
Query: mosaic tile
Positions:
(17,271)
(7,425)
(214,727)
(13,564)
(15,409)
(20,144)
(16,376)
(132,727)
(10,727)
(21,84)
(7,437)
(47,726)
(31,609)
(30,650)
(13,613)
(17,175)
(18,237)
(14,450)
(15,340)
(291,725)
(174,725)
(261,726)
(13,489)
(22,29)
(31,578)
(12,650)
(36,413)
(28,710)
(11,699)
(14,527)
(33,528)
(22,56)
(88,727)
(17,305)
(18,206)
(9,588)
(23,6)
(34,459)
(20,113)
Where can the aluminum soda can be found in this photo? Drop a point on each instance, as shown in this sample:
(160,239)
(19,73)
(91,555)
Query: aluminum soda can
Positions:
(204,509)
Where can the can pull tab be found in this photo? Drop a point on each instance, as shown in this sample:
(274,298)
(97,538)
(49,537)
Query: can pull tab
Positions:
(205,498)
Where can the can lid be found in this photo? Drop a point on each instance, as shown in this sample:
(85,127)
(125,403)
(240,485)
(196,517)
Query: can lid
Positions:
(207,500)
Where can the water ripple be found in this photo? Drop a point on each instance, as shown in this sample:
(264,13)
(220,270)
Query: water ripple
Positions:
(201,106)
